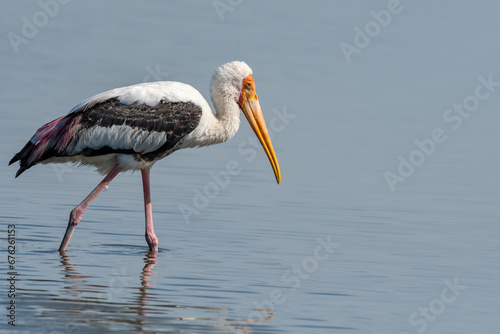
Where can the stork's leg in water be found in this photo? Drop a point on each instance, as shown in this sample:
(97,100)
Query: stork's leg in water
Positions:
(151,238)
(76,214)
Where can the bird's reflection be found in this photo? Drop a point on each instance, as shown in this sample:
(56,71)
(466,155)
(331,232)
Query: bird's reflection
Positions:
(147,276)
(97,303)
(147,271)
(146,291)
(76,280)
(77,283)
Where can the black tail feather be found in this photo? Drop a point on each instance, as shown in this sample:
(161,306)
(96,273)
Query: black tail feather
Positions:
(22,157)
(21,170)
(14,159)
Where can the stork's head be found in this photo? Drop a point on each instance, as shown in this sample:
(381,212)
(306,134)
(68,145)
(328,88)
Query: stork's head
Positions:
(233,83)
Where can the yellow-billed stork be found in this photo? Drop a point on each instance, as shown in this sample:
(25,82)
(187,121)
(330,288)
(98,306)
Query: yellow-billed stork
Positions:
(133,127)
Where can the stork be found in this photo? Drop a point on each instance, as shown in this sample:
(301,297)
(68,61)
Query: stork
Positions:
(131,128)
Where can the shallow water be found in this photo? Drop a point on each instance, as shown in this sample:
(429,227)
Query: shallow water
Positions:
(332,249)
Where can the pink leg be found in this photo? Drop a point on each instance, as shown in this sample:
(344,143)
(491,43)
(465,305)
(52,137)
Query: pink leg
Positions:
(151,238)
(76,214)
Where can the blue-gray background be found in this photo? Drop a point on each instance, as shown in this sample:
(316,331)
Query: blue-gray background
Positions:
(350,120)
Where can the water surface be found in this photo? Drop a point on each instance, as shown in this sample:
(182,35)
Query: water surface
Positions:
(332,249)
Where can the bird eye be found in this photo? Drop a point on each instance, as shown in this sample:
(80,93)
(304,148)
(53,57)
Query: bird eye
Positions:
(249,85)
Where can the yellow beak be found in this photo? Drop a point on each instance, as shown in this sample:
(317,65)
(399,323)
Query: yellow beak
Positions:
(250,106)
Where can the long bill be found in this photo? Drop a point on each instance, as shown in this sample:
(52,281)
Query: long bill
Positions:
(251,108)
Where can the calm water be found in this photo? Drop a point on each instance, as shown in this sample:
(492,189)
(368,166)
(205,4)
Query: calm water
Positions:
(333,249)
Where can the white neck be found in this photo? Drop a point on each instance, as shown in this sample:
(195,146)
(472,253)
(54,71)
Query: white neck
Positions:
(216,128)
(227,118)
(225,89)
